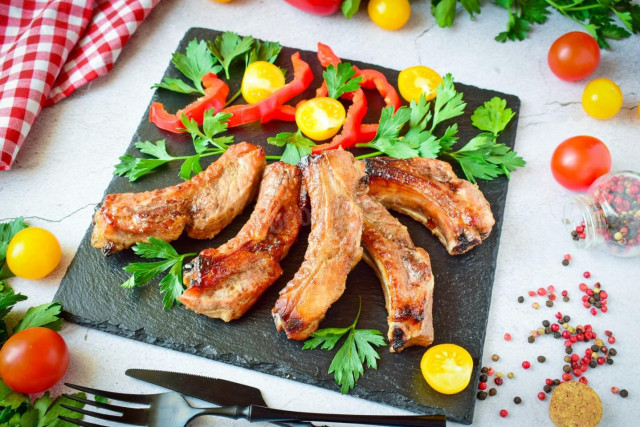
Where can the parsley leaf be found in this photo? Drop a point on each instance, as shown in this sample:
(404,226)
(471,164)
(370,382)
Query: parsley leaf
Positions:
(143,272)
(349,7)
(264,51)
(194,63)
(444,11)
(296,146)
(229,46)
(448,102)
(358,348)
(340,80)
(45,315)
(493,116)
(206,143)
(50,418)
(7,231)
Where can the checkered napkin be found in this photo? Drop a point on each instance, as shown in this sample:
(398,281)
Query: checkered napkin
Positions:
(49,48)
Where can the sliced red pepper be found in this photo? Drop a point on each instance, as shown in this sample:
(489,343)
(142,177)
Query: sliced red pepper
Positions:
(216,92)
(326,56)
(269,108)
(350,134)
(372,79)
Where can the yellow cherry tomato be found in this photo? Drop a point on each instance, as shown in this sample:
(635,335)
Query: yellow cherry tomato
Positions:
(389,14)
(447,368)
(260,80)
(416,81)
(320,118)
(33,253)
(602,99)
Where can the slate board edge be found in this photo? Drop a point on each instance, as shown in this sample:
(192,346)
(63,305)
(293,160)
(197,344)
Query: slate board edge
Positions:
(382,396)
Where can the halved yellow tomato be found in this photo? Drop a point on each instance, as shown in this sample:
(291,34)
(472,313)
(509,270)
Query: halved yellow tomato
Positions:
(260,80)
(418,80)
(447,368)
(320,118)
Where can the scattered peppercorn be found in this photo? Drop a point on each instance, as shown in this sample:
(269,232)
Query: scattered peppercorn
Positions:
(586,274)
(510,375)
(490,371)
(546,323)
(613,352)
(503,413)
(507,337)
(565,262)
(542,396)
(493,391)
(624,393)
(547,388)
(531,339)
(615,390)
(520,300)
(482,386)
(541,359)
(609,361)
(517,400)
(526,365)
(566,299)
(484,370)
(549,303)
(495,357)
(498,381)
(535,305)
(483,378)
(566,368)
(499,374)
(568,350)
(482,395)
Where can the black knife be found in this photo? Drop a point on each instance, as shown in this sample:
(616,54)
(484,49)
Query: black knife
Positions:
(214,390)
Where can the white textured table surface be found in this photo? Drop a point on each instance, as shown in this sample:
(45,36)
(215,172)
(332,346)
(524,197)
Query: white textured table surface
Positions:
(67,161)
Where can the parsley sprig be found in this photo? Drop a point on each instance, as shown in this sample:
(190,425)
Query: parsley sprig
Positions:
(481,158)
(206,143)
(143,272)
(358,348)
(610,19)
(194,63)
(296,146)
(7,231)
(227,47)
(341,79)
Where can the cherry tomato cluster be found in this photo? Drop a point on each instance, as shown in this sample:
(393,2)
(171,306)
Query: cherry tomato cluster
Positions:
(387,14)
(580,160)
(575,56)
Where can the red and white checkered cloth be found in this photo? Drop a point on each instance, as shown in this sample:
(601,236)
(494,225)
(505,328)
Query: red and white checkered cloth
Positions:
(49,48)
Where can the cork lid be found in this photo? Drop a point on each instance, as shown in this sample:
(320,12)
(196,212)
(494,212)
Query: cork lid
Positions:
(574,404)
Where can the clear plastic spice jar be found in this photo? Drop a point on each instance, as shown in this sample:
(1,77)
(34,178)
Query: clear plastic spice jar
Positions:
(608,216)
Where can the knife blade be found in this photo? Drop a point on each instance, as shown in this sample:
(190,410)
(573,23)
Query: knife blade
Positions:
(215,390)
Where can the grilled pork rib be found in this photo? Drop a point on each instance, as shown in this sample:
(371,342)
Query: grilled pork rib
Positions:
(430,192)
(404,272)
(225,282)
(203,205)
(333,180)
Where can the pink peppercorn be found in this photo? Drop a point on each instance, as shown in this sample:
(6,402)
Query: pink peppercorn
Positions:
(567,257)
(498,380)
(577,372)
(615,390)
(575,357)
(601,360)
(604,309)
(526,365)
(584,367)
(542,396)
(583,287)
(504,413)
(586,274)
(612,339)
(566,377)
(565,293)
(482,386)
(555,327)
(507,337)
(608,333)
(594,311)
(542,291)
(566,334)
(548,381)
(490,371)
(532,294)
(603,295)
(558,315)
(584,380)
(589,292)
(551,288)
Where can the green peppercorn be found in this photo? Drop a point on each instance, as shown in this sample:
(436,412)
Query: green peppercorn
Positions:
(541,331)
(510,375)
(566,299)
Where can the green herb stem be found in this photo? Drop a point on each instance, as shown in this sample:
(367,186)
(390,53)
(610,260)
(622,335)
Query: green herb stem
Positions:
(233,98)
(366,156)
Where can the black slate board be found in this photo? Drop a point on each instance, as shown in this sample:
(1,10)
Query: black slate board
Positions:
(91,296)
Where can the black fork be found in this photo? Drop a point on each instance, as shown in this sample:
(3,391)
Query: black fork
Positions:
(171,409)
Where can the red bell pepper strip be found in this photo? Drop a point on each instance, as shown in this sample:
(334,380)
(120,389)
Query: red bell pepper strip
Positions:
(216,92)
(371,79)
(269,108)
(350,134)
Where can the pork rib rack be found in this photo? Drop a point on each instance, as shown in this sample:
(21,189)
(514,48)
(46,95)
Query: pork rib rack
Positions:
(333,181)
(429,191)
(203,205)
(405,274)
(225,282)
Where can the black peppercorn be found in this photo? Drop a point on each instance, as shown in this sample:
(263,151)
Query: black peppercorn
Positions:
(484,370)
(493,391)
(541,359)
(545,323)
(482,395)
(531,339)
(624,393)
(566,368)
(517,400)
(609,361)
(547,388)
(520,300)
(483,378)
(568,350)
(612,352)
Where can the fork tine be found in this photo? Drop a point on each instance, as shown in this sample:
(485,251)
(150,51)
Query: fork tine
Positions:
(115,418)
(125,397)
(107,406)
(79,422)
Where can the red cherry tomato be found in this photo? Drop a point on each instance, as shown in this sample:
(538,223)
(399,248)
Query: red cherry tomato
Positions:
(579,161)
(574,56)
(33,360)
(317,7)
